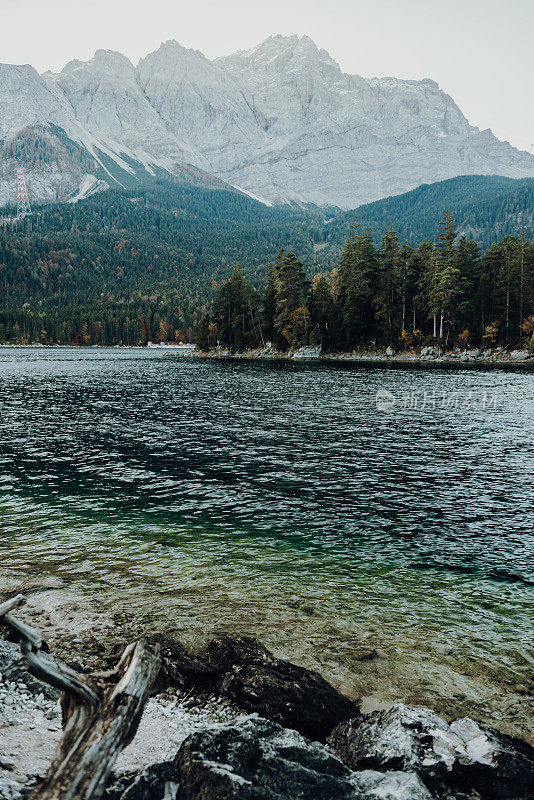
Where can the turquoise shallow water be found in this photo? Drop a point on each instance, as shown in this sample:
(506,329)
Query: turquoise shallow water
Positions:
(277,498)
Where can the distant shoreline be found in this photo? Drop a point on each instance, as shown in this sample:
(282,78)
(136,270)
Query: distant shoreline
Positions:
(467,359)
(408,359)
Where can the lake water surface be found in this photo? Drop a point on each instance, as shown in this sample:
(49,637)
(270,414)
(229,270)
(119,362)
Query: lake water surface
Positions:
(276,498)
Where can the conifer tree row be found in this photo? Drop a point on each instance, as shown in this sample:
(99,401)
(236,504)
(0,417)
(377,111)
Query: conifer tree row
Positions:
(391,294)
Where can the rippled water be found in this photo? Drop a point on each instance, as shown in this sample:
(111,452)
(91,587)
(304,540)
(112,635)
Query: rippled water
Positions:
(277,498)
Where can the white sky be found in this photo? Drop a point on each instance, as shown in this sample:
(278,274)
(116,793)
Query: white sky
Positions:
(480,51)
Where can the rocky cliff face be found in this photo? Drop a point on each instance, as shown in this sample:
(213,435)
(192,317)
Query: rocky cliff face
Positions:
(280,121)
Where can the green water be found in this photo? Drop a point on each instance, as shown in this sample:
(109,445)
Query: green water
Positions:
(277,499)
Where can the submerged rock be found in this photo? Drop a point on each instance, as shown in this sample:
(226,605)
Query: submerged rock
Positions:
(180,669)
(461,755)
(258,760)
(293,696)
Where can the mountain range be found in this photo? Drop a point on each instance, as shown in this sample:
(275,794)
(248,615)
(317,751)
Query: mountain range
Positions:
(280,122)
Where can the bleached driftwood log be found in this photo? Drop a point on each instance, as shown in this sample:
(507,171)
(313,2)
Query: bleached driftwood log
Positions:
(101,712)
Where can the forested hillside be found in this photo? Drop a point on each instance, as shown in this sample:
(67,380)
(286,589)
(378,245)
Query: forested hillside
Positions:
(486,208)
(112,268)
(136,266)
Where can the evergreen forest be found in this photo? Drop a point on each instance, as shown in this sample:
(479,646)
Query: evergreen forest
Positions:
(447,293)
(129,267)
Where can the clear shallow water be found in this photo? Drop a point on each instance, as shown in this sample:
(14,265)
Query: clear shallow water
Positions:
(278,499)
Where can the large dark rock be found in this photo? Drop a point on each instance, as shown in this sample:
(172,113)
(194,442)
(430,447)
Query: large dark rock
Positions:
(230,649)
(256,759)
(293,696)
(181,669)
(153,783)
(461,755)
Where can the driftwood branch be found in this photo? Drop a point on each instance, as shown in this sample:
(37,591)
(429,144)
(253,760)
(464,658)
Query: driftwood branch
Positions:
(100,713)
(12,603)
(58,675)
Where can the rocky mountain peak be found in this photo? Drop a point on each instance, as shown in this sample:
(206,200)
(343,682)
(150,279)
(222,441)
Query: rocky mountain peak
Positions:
(282,54)
(280,120)
(173,59)
(25,100)
(108,62)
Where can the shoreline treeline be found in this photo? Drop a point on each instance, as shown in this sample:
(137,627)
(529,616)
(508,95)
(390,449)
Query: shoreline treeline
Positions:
(384,294)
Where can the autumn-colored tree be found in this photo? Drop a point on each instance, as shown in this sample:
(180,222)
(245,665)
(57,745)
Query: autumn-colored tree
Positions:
(406,339)
(527,327)
(212,334)
(165,332)
(491,333)
(297,330)
(463,338)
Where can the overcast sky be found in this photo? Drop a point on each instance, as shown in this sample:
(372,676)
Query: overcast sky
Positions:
(479,51)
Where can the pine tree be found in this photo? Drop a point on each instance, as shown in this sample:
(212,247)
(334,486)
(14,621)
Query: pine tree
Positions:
(321,310)
(422,265)
(468,264)
(291,295)
(407,284)
(203,333)
(445,286)
(388,298)
(235,314)
(522,245)
(268,311)
(508,278)
(355,288)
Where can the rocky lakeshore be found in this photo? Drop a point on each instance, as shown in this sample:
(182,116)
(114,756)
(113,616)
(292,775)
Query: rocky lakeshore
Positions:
(425,355)
(235,721)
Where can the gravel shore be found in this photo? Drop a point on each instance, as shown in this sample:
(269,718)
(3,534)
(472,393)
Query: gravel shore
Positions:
(30,728)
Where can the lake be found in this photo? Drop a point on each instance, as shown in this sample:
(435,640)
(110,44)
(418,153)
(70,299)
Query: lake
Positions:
(375,523)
